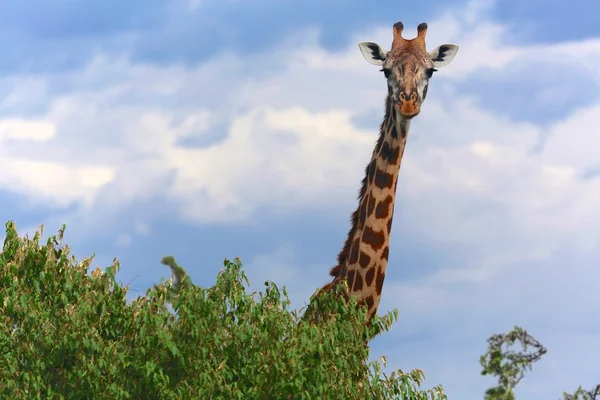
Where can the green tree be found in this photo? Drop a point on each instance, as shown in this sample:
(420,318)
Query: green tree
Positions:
(509,366)
(581,394)
(506,363)
(69,334)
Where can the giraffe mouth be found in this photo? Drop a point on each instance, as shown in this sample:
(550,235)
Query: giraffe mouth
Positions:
(407,110)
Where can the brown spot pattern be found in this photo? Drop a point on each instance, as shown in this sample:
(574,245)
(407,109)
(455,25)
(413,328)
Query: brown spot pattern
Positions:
(362,213)
(383,208)
(385,253)
(371,168)
(373,239)
(383,179)
(364,260)
(350,277)
(358,282)
(369,301)
(371,205)
(379,281)
(354,252)
(386,151)
(379,144)
(369,276)
(395,155)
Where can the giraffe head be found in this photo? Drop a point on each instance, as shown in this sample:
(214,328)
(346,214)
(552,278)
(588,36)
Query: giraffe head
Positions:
(408,67)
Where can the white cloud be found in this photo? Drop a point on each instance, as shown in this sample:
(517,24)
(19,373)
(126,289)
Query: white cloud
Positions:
(57,183)
(290,130)
(20,129)
(574,141)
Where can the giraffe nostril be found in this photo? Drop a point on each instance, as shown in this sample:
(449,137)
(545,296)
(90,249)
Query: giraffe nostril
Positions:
(408,97)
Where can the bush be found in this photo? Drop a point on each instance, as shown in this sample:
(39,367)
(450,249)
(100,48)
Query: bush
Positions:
(505,360)
(67,334)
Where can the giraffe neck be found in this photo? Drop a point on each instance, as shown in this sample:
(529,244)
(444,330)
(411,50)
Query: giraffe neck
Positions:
(363,260)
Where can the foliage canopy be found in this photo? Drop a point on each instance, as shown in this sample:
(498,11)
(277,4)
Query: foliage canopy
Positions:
(67,334)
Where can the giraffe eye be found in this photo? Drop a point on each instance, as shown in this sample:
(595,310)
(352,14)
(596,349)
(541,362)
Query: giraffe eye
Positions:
(386,72)
(429,72)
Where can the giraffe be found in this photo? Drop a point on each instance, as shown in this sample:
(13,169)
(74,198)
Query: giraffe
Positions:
(407,67)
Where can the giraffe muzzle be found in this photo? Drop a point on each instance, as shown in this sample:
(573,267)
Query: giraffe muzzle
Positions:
(408,104)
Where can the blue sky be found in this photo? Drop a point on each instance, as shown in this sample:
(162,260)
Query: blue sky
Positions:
(209,130)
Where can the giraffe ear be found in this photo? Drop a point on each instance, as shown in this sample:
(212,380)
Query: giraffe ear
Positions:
(372,52)
(442,55)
